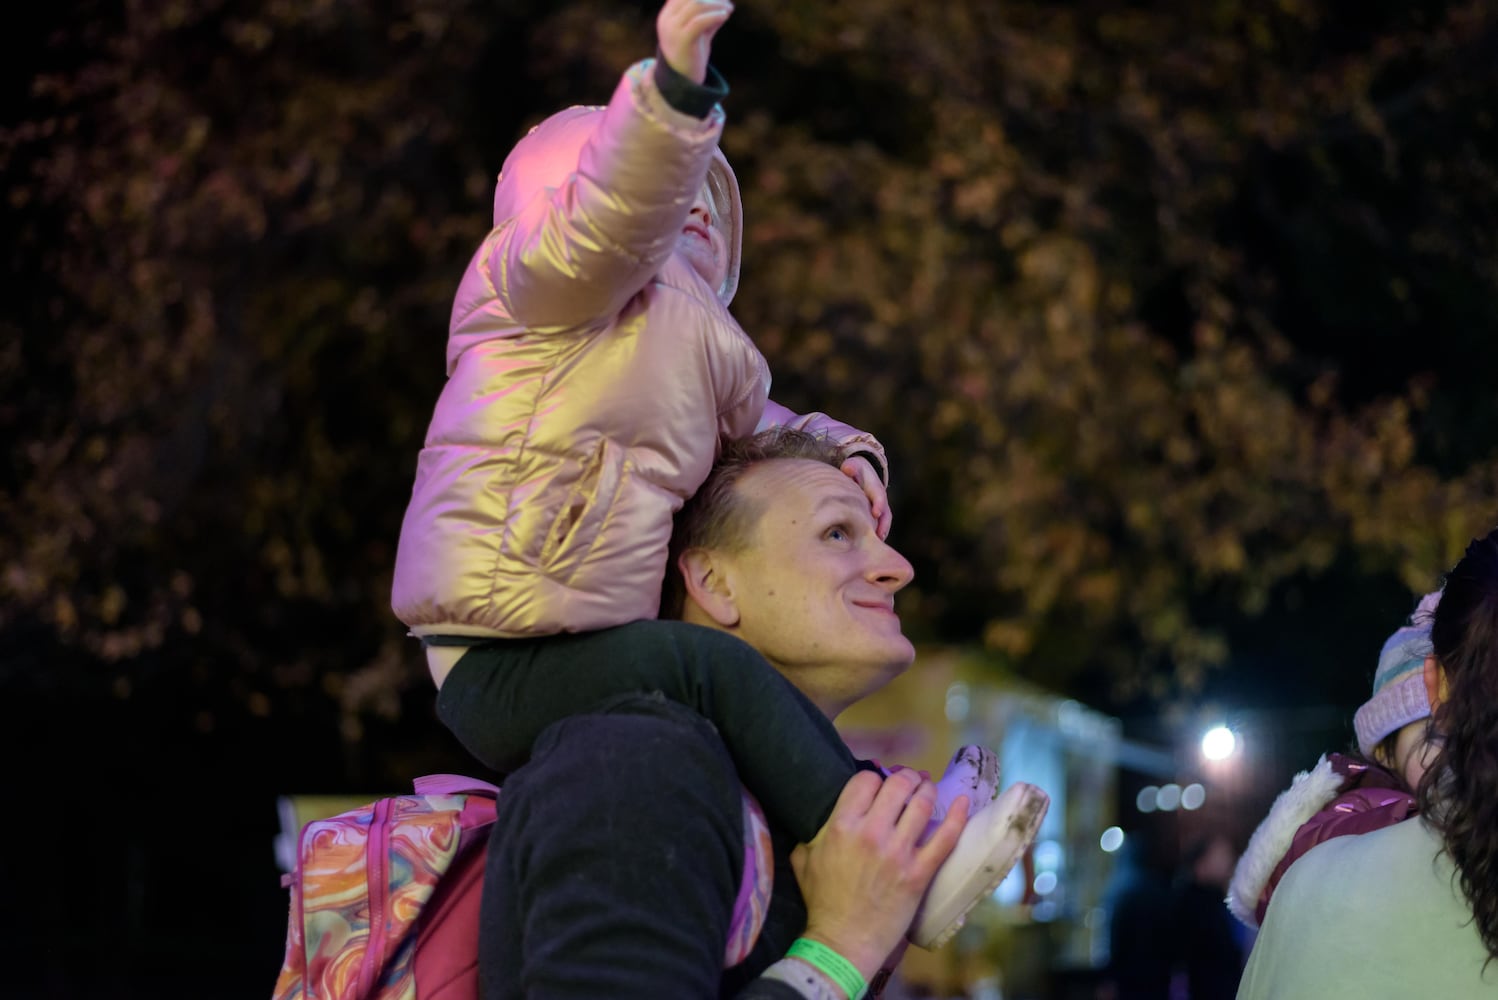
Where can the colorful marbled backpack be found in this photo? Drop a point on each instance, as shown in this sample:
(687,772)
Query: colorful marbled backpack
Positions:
(416,864)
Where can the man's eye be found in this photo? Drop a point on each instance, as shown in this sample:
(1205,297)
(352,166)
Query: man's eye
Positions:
(838,533)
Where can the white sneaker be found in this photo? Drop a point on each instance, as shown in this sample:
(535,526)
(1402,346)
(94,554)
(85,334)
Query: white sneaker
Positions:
(993,840)
(974,772)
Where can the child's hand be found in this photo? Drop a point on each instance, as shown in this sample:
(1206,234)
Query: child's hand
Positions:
(861,471)
(684,30)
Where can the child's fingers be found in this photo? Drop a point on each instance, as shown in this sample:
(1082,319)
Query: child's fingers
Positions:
(707,11)
(879,508)
(720,10)
(689,8)
(861,471)
(706,23)
(685,16)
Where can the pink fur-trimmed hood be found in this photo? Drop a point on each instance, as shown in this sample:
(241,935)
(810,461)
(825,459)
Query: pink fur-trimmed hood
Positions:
(1340,796)
(1306,796)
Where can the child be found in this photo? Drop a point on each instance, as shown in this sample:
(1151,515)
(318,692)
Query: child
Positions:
(593,370)
(1349,794)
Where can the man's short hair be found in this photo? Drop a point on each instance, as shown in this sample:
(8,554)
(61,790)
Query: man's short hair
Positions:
(718,516)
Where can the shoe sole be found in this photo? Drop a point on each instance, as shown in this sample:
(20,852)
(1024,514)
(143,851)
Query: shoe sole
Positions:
(1019,811)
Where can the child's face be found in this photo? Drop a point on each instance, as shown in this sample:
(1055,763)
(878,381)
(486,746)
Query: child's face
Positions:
(702,241)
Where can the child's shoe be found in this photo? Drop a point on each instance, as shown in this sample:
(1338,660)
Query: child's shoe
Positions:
(974,772)
(993,840)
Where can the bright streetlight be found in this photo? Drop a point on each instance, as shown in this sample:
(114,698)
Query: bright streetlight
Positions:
(1218,743)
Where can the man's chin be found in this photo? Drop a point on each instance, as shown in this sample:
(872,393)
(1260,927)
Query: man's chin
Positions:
(898,658)
(902,653)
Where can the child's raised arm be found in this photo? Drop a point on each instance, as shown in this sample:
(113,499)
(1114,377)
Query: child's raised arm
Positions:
(590,205)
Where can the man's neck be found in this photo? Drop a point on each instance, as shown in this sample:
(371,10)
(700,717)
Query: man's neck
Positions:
(827,704)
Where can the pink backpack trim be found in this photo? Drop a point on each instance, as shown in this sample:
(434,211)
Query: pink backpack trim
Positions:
(758,880)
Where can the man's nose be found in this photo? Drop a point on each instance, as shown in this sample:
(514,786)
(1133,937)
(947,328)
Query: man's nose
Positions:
(888,568)
(703,211)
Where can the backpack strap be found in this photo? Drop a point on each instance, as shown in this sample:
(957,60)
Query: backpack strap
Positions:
(376,862)
(454,784)
(753,901)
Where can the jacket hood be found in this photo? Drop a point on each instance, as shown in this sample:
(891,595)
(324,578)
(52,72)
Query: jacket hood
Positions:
(1341,796)
(548,155)
(1307,795)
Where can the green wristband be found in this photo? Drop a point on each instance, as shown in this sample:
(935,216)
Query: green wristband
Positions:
(830,963)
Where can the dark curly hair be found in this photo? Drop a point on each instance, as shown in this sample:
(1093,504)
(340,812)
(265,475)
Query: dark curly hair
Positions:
(1459,792)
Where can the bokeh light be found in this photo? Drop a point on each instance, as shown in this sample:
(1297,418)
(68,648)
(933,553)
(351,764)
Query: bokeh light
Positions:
(1218,743)
(1169,798)
(1193,796)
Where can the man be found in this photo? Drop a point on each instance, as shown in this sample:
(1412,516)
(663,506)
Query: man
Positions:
(619,851)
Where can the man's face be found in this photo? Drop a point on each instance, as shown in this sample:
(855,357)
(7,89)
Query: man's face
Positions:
(702,241)
(815,588)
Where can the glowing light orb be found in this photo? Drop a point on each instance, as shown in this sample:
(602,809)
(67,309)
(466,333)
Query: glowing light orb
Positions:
(1218,743)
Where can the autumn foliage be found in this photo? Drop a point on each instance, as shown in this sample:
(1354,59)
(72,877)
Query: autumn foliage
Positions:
(1157,307)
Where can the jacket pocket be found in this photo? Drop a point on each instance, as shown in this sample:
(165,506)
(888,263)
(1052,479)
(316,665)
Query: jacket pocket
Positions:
(576,527)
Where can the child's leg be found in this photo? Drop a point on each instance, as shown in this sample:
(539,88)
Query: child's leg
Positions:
(502,694)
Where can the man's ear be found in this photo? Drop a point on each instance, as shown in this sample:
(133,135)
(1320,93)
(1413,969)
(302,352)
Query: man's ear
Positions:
(1435,682)
(708,586)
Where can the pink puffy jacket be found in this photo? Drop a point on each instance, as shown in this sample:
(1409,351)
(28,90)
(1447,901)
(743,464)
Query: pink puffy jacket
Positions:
(592,375)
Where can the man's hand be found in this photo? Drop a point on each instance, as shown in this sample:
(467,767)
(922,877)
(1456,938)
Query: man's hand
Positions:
(861,471)
(864,873)
(684,30)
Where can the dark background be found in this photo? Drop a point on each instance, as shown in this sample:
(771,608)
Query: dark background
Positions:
(1178,326)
